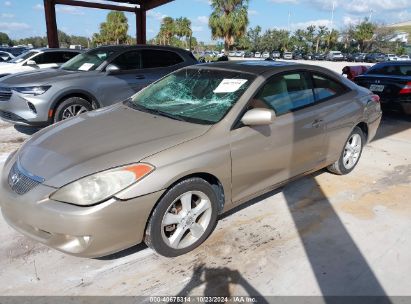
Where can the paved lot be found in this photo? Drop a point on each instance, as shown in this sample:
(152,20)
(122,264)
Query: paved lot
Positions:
(321,235)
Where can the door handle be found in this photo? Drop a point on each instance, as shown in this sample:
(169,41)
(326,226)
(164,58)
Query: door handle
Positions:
(140,77)
(317,123)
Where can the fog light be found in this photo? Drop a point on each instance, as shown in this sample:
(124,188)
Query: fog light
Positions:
(75,244)
(32,107)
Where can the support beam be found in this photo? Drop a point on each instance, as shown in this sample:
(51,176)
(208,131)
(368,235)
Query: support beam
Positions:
(51,24)
(96,5)
(141,22)
(154,3)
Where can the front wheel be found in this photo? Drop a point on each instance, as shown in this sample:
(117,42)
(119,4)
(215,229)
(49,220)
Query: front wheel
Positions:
(351,153)
(71,107)
(183,218)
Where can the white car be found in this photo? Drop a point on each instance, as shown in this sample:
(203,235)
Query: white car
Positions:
(335,56)
(257,55)
(5,56)
(391,57)
(231,54)
(288,55)
(266,55)
(37,59)
(404,58)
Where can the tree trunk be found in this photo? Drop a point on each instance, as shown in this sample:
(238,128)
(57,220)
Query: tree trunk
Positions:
(318,45)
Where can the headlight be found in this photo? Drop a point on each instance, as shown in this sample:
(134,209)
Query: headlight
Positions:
(101,186)
(32,90)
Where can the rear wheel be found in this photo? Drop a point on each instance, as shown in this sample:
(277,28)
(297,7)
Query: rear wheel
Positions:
(71,107)
(183,218)
(351,154)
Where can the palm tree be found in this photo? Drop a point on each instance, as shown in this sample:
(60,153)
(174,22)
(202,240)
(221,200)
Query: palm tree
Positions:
(332,38)
(321,32)
(167,30)
(228,20)
(183,28)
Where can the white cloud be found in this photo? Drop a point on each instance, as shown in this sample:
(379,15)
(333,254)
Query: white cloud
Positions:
(5,15)
(202,19)
(304,25)
(155,15)
(348,20)
(197,28)
(7,3)
(38,7)
(65,9)
(13,26)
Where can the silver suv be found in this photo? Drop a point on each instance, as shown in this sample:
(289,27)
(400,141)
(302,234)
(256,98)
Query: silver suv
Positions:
(91,80)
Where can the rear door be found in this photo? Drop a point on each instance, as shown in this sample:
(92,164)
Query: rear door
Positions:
(263,156)
(158,63)
(48,60)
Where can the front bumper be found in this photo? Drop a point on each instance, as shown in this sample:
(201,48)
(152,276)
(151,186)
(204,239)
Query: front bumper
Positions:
(25,109)
(81,231)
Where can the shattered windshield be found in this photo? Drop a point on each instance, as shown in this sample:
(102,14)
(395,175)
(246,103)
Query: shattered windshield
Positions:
(194,95)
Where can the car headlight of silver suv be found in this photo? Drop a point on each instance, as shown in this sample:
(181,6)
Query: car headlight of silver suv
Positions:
(37,90)
(99,187)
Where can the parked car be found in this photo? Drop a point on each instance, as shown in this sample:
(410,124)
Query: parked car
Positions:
(94,79)
(231,53)
(248,54)
(298,56)
(266,55)
(257,55)
(319,56)
(288,55)
(162,166)
(5,56)
(359,57)
(374,57)
(15,51)
(392,82)
(335,56)
(276,55)
(308,56)
(404,58)
(239,54)
(391,57)
(37,59)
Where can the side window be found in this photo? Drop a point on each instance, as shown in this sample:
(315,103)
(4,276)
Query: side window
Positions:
(128,61)
(66,56)
(45,58)
(325,87)
(286,93)
(159,59)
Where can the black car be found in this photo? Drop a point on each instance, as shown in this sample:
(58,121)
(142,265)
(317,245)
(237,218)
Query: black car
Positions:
(298,55)
(319,56)
(374,57)
(392,82)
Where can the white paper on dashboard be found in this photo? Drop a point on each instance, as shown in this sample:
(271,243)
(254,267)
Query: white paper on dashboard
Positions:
(86,66)
(229,85)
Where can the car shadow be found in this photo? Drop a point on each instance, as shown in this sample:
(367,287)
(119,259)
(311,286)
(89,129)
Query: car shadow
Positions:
(392,123)
(123,253)
(28,130)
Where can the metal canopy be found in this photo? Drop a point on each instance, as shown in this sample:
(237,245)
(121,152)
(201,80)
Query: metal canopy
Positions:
(139,7)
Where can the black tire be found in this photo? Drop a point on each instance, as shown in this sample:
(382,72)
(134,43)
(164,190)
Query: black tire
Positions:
(339,167)
(70,102)
(155,233)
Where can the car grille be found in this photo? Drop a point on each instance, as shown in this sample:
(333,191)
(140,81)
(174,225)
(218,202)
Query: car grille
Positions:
(5,94)
(11,116)
(20,181)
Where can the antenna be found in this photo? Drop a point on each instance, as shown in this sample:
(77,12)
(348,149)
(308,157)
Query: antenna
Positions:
(332,15)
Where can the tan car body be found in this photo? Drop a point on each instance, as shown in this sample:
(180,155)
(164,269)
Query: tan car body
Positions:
(241,161)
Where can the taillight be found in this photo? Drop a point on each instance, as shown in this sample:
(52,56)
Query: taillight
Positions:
(375,98)
(406,89)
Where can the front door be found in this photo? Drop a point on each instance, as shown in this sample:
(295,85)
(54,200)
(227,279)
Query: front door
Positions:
(263,156)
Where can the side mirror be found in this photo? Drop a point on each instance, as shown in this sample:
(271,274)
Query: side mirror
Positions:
(258,117)
(31,62)
(112,68)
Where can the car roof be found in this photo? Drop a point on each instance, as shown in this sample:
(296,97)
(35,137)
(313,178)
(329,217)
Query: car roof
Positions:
(256,67)
(407,62)
(140,46)
(55,50)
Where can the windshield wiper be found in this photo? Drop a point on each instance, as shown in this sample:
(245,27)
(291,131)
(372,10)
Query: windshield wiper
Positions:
(154,111)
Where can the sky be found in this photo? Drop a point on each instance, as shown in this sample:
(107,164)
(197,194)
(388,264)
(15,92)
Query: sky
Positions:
(23,18)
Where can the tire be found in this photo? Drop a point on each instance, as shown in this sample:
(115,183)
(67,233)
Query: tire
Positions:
(71,107)
(164,230)
(347,162)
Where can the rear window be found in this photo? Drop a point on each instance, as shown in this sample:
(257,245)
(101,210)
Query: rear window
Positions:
(390,70)
(325,87)
(159,59)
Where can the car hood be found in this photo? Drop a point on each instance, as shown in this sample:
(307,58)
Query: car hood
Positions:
(39,77)
(99,140)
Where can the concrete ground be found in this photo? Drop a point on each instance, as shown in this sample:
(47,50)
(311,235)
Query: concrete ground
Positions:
(321,235)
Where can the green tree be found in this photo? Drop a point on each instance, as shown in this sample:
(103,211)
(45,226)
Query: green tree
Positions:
(332,38)
(183,30)
(322,30)
(113,30)
(5,39)
(364,33)
(167,30)
(229,20)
